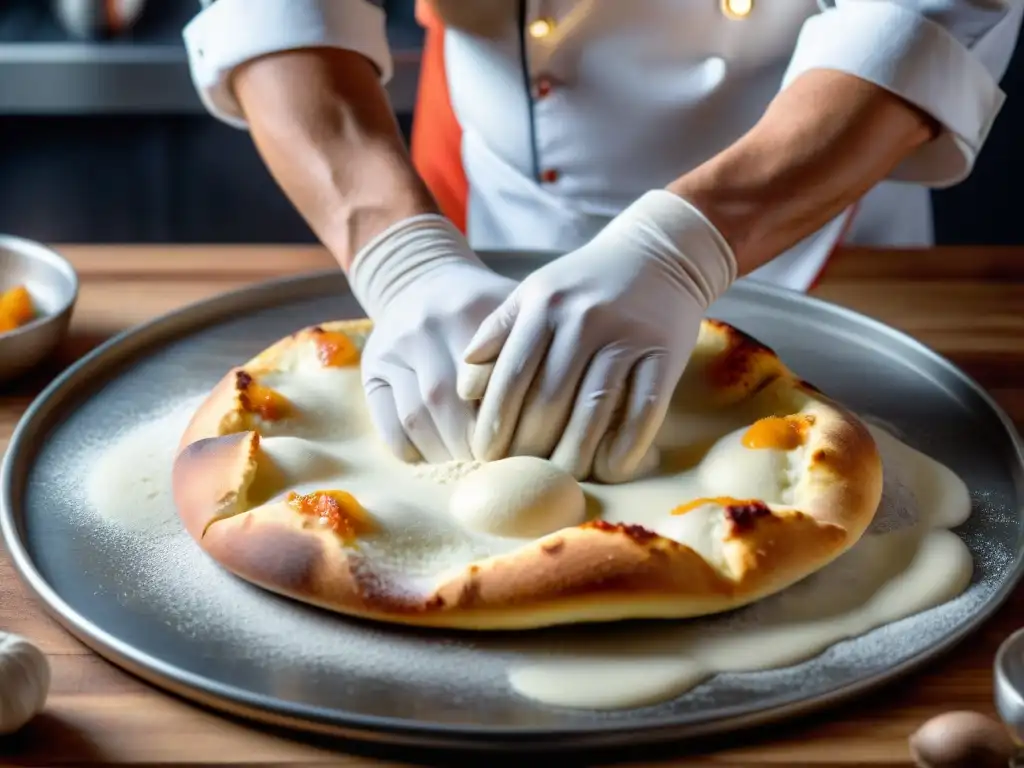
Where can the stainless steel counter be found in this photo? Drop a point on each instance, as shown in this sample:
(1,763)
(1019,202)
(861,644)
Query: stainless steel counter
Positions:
(97,78)
(43,71)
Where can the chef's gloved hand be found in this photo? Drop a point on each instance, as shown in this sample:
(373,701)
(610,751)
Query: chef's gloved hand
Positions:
(587,350)
(427,293)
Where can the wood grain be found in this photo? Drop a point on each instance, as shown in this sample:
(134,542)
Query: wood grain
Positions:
(966,303)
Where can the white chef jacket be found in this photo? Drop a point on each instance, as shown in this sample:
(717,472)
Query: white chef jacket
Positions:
(644,91)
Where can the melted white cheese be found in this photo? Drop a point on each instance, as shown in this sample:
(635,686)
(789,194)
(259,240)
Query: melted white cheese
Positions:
(885,577)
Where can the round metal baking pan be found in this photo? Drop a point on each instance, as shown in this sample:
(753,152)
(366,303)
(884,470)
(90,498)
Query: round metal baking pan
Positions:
(155,605)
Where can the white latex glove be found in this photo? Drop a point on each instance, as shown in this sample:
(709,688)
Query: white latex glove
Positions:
(427,293)
(588,349)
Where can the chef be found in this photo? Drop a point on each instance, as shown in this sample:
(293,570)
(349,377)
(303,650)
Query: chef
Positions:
(666,147)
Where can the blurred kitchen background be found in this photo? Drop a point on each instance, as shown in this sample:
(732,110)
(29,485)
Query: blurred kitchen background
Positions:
(104,140)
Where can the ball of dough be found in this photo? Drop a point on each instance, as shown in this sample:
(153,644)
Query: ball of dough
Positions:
(518,497)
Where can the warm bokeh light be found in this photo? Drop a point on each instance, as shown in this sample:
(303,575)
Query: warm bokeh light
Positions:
(737,9)
(541,28)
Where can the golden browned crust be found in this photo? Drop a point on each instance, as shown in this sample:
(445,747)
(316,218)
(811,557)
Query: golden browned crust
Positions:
(593,572)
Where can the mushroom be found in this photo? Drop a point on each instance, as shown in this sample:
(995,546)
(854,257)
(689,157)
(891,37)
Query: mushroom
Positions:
(24,682)
(962,740)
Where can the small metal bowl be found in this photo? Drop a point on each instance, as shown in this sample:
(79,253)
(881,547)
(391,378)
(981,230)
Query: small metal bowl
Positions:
(1009,684)
(53,285)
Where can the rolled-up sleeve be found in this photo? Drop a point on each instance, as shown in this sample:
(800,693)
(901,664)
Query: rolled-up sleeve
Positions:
(228,33)
(944,56)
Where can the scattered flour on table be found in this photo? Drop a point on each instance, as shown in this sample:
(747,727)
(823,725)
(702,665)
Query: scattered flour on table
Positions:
(131,515)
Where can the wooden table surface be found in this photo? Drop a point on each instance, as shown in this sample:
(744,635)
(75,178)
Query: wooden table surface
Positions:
(967,303)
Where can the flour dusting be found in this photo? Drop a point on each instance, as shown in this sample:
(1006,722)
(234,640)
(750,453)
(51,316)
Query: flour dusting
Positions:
(128,484)
(447,473)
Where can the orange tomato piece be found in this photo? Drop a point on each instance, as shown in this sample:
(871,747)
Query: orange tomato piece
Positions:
(16,308)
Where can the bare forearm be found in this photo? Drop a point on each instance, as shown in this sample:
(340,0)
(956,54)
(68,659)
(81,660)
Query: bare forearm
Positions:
(823,142)
(322,124)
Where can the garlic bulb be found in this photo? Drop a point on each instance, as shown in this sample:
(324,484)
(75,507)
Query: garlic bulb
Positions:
(24,682)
